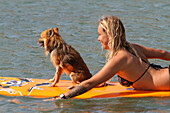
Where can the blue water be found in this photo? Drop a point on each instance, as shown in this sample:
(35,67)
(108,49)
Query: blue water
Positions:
(147,22)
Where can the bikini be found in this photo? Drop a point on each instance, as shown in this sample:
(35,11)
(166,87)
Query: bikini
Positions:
(128,83)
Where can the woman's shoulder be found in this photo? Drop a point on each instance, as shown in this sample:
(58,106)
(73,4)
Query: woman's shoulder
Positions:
(122,55)
(137,46)
(142,50)
(152,52)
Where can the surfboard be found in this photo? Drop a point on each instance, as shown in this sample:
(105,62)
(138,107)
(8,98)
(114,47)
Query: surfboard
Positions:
(39,88)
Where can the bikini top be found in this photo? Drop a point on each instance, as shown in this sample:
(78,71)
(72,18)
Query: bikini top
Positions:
(128,83)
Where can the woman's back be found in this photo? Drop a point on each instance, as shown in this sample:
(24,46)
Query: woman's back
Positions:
(134,68)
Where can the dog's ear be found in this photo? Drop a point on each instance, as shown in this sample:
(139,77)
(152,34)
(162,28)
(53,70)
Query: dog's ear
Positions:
(51,32)
(56,30)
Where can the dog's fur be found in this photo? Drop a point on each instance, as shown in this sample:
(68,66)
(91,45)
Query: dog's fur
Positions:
(64,57)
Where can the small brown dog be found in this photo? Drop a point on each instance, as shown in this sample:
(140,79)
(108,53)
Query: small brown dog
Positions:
(64,57)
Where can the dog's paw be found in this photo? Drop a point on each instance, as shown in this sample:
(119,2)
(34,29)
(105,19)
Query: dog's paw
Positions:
(71,87)
(103,84)
(52,85)
(52,80)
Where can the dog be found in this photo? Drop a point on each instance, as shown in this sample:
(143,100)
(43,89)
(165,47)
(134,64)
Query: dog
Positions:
(64,58)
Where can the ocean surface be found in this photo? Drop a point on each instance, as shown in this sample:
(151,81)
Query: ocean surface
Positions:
(147,22)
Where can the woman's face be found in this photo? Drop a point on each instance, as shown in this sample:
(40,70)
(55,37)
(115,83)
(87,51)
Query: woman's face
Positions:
(103,37)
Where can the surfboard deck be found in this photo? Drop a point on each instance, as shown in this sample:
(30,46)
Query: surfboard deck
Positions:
(39,88)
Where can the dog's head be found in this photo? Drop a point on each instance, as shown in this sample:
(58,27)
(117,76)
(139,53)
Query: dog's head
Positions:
(50,39)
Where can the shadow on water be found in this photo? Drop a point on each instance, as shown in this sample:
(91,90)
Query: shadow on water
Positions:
(87,105)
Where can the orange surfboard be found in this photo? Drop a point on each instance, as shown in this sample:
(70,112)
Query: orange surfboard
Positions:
(39,88)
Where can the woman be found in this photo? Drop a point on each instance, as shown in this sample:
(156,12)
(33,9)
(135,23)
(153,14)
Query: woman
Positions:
(129,61)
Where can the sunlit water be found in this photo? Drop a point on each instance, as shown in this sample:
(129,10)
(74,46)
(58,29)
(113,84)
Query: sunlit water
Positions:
(147,22)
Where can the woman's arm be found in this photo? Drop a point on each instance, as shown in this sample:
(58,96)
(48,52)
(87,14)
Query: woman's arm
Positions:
(154,53)
(107,72)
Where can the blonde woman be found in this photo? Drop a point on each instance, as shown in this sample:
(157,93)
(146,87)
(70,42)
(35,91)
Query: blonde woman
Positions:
(129,61)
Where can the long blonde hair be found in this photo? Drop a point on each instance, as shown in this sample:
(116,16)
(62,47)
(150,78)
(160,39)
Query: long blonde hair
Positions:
(115,30)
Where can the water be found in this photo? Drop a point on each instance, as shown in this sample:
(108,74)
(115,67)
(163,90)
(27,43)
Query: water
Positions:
(22,21)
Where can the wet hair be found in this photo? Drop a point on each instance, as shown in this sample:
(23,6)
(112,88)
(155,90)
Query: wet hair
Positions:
(115,30)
